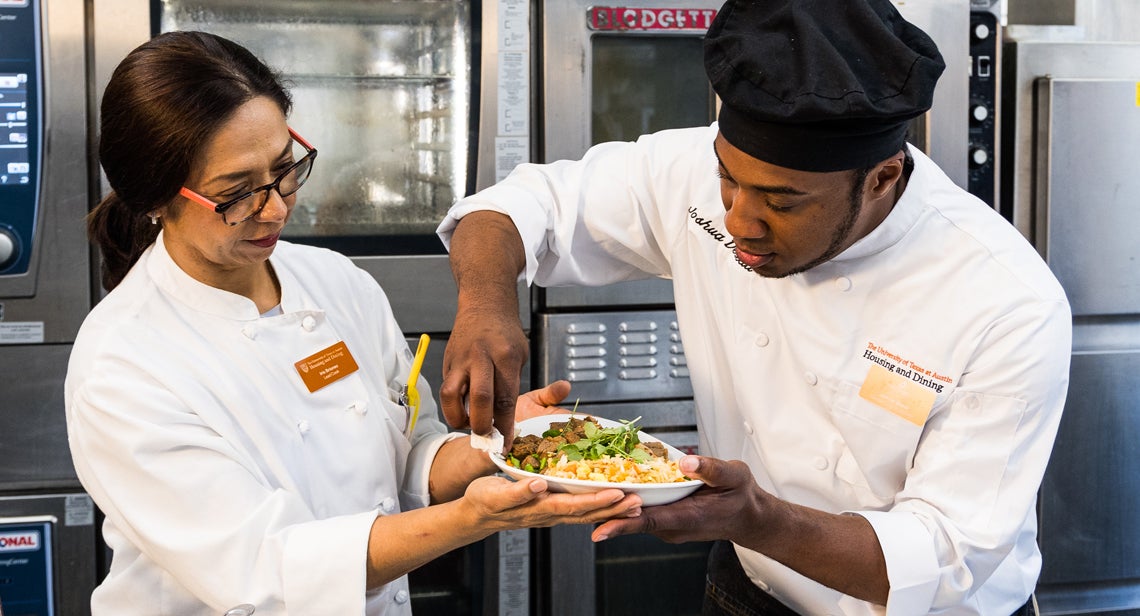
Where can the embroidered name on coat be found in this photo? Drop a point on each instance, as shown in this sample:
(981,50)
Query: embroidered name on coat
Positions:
(710,227)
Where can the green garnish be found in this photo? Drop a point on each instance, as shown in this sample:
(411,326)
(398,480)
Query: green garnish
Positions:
(620,441)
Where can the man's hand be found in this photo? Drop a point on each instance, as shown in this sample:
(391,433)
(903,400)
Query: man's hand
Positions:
(727,501)
(482,366)
(487,348)
(838,551)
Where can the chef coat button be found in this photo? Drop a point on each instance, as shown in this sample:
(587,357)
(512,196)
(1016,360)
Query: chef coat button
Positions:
(820,463)
(762,340)
(388,504)
(249,332)
(843,283)
(811,378)
(401,596)
(358,407)
(748,428)
(303,426)
(764,586)
(309,323)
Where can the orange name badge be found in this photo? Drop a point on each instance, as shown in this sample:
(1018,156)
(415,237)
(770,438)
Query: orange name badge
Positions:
(897,394)
(326,366)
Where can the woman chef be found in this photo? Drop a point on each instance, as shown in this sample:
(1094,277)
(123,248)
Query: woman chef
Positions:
(232,402)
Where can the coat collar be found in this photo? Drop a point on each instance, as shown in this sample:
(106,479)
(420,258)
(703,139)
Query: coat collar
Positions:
(903,216)
(175,282)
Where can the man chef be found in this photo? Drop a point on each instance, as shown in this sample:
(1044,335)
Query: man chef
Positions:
(879,361)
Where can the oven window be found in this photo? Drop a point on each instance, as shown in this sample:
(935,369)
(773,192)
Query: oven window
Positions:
(643,84)
(383,90)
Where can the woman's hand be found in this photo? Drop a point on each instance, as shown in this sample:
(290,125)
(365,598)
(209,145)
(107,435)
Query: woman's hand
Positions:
(502,504)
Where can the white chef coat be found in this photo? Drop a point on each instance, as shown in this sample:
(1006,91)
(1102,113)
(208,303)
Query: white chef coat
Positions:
(810,378)
(223,479)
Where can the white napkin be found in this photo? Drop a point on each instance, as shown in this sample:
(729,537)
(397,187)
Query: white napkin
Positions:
(491,443)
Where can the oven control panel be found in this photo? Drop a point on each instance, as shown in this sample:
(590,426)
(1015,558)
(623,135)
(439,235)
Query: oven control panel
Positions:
(20,132)
(614,356)
(985,42)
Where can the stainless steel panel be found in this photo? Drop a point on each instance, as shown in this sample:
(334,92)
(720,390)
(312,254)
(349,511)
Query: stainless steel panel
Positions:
(1024,61)
(1109,20)
(655,417)
(56,291)
(635,292)
(1079,147)
(569,566)
(506,57)
(75,540)
(567,61)
(1106,334)
(33,432)
(422,291)
(947,22)
(117,27)
(1045,12)
(1090,498)
(613,356)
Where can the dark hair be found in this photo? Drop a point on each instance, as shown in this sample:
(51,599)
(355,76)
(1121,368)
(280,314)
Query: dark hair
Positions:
(163,103)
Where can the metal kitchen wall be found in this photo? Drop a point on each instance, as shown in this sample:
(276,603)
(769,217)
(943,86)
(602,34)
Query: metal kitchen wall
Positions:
(1071,176)
(48,538)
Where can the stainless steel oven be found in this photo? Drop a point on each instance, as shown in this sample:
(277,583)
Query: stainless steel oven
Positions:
(1073,185)
(48,539)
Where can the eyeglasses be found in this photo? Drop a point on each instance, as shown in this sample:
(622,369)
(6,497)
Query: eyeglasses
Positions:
(246,206)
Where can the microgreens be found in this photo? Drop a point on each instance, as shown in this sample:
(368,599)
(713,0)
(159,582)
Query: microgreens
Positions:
(620,441)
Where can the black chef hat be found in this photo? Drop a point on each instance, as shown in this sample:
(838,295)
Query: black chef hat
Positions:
(819,85)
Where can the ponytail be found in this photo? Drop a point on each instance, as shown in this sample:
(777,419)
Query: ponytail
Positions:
(121,234)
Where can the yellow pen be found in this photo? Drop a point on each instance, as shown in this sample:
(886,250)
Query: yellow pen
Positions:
(411,394)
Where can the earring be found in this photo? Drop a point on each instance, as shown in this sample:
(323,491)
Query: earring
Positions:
(153,218)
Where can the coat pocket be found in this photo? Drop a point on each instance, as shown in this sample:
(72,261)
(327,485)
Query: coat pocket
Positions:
(878,448)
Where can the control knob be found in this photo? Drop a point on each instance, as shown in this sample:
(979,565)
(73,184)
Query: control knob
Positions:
(979,112)
(979,156)
(8,252)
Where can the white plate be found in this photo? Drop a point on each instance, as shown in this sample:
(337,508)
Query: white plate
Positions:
(651,493)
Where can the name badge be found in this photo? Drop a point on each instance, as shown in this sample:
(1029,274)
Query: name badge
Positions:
(326,366)
(897,394)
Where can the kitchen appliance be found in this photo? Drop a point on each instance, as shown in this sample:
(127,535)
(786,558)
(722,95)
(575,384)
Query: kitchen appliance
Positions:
(984,102)
(48,540)
(612,73)
(1072,183)
(615,73)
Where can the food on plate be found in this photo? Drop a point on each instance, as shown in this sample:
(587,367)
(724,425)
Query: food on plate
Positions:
(583,449)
